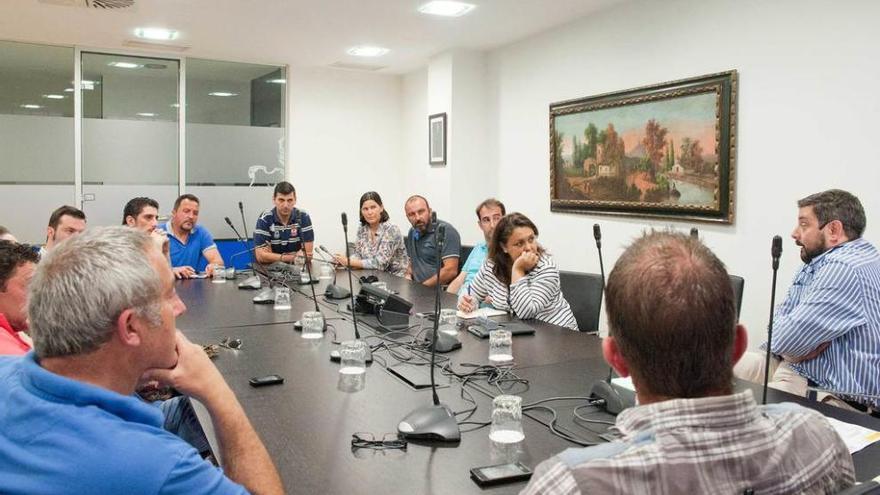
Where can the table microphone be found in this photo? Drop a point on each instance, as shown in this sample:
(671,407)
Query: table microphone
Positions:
(437,421)
(333,291)
(252,282)
(597,234)
(243,222)
(775,253)
(357,334)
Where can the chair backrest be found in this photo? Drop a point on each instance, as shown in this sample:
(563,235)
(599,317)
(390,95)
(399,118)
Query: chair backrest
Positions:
(583,291)
(738,284)
(463,254)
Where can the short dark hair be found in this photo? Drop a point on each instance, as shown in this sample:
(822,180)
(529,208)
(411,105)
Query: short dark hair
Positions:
(135,206)
(837,204)
(372,195)
(415,197)
(12,256)
(65,210)
(3,230)
(284,188)
(182,197)
(489,203)
(506,226)
(671,312)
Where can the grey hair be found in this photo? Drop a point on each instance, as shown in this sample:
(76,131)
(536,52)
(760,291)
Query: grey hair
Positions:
(80,288)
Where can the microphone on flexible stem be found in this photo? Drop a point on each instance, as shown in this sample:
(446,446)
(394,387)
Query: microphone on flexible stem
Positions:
(243,222)
(252,282)
(695,233)
(775,254)
(437,421)
(357,334)
(614,397)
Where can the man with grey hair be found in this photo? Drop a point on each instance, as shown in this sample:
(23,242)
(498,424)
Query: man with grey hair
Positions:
(102,309)
(673,328)
(826,333)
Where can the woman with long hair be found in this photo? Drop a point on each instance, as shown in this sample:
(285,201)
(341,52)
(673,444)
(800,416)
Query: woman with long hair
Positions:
(519,276)
(379,244)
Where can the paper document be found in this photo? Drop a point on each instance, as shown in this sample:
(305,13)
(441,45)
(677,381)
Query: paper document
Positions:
(487,312)
(854,436)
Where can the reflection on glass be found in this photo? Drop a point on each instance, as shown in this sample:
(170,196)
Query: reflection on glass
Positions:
(235,123)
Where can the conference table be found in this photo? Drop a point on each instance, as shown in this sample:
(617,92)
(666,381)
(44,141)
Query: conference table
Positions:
(307,422)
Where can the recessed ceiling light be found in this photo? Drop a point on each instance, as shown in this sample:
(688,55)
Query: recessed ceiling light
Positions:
(222,93)
(31,106)
(125,65)
(446,8)
(54,97)
(175,105)
(146,114)
(367,51)
(156,34)
(277,81)
(68,90)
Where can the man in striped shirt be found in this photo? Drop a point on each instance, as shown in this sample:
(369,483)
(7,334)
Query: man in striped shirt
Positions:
(674,329)
(283,231)
(827,331)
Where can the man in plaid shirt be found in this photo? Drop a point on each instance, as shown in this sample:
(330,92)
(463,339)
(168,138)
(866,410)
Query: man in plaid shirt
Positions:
(674,330)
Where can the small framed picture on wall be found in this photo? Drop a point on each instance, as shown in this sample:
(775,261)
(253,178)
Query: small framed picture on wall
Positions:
(437,139)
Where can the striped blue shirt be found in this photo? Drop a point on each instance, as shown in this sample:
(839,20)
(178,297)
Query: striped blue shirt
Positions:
(835,298)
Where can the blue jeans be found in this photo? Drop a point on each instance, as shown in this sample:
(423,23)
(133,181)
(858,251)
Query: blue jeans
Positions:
(180,419)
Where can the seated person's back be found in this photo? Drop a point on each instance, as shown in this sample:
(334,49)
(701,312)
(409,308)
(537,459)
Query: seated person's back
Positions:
(672,323)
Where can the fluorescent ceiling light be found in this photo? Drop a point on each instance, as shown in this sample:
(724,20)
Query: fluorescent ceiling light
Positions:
(54,97)
(156,34)
(277,81)
(125,65)
(146,114)
(446,8)
(88,85)
(31,106)
(367,51)
(68,90)
(222,93)
(175,105)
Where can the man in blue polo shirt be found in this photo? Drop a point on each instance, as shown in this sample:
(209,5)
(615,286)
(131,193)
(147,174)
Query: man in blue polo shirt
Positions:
(71,422)
(192,247)
(283,231)
(489,212)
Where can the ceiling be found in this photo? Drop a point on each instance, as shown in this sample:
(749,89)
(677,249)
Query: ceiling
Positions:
(295,32)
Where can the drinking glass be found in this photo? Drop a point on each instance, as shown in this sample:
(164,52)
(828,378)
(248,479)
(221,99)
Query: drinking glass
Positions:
(506,419)
(500,346)
(353,356)
(282,298)
(312,325)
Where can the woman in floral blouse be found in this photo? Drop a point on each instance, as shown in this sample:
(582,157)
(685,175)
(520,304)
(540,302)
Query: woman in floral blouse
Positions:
(379,244)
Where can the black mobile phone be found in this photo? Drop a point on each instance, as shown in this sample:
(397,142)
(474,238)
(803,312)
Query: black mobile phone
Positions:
(262,381)
(500,474)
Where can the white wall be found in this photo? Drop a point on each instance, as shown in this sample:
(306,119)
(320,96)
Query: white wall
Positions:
(345,139)
(808,107)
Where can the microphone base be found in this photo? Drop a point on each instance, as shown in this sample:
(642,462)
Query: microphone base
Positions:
(252,283)
(334,291)
(616,397)
(434,422)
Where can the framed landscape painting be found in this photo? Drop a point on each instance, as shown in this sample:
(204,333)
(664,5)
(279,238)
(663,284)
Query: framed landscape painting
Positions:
(666,150)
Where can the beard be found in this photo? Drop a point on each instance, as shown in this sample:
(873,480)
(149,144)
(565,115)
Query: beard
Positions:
(808,254)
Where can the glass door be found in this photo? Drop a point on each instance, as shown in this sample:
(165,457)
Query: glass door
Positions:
(130,133)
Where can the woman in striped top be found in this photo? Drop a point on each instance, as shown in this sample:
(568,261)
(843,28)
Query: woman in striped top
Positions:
(519,276)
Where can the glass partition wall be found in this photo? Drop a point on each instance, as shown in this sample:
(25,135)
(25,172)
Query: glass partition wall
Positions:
(136,113)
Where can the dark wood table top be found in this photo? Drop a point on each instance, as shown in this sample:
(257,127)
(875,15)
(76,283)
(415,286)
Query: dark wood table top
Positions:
(307,422)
